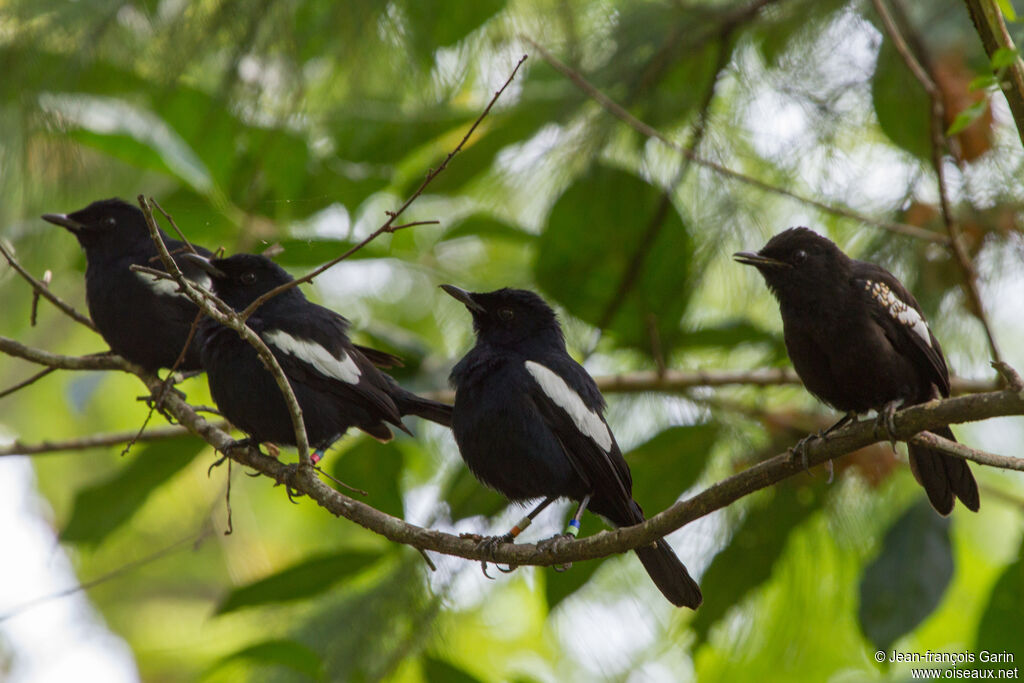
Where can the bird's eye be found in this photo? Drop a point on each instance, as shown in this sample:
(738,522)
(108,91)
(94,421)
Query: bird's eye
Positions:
(248,278)
(800,256)
(506,314)
(109,222)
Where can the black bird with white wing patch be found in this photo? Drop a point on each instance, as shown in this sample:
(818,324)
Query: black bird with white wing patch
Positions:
(336,382)
(859,342)
(144,319)
(529,423)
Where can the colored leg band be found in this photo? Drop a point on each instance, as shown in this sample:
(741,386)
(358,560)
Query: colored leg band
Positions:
(521,526)
(574,528)
(316,456)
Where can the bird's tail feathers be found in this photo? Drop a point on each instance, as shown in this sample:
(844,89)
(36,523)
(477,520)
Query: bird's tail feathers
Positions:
(944,476)
(410,404)
(665,569)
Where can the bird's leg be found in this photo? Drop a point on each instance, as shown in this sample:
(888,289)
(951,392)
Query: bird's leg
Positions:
(885,421)
(490,543)
(799,450)
(572,530)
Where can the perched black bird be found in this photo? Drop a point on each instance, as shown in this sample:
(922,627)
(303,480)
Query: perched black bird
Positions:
(529,423)
(859,342)
(144,319)
(336,382)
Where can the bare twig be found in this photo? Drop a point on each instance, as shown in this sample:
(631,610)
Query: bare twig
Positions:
(47,276)
(174,225)
(31,380)
(99,361)
(42,290)
(96,441)
(620,113)
(959,450)
(388,225)
(938,136)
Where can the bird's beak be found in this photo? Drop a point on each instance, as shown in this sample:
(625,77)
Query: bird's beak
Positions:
(204,263)
(465,297)
(64,222)
(752,259)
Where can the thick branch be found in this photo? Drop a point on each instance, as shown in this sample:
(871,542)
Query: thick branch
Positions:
(100,361)
(636,124)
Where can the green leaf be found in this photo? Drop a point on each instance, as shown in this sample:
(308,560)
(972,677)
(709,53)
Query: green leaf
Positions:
(983,82)
(730,334)
(439,23)
(376,468)
(1004,57)
(101,508)
(131,134)
(482,225)
(901,104)
(683,451)
(908,578)
(763,534)
(305,579)
(439,671)
(967,117)
(286,653)
(1006,7)
(999,629)
(317,251)
(560,585)
(381,132)
(596,230)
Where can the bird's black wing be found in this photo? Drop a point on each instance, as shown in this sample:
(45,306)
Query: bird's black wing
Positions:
(896,310)
(382,359)
(572,406)
(313,348)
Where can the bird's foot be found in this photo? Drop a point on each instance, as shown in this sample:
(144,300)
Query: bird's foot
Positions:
(286,478)
(234,445)
(885,423)
(488,544)
(554,544)
(798,451)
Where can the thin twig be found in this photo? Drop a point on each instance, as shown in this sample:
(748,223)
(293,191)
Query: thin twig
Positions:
(938,146)
(98,361)
(47,276)
(31,380)
(620,113)
(96,441)
(174,225)
(44,291)
(959,450)
(392,215)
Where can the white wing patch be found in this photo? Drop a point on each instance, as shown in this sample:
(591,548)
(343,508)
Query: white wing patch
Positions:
(164,287)
(310,352)
(586,420)
(899,310)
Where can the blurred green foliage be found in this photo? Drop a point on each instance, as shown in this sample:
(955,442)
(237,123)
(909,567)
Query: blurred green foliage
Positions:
(302,122)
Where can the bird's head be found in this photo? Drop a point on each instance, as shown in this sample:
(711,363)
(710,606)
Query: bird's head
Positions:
(507,317)
(797,261)
(108,224)
(240,279)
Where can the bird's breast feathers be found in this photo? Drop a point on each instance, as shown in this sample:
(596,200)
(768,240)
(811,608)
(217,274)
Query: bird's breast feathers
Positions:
(562,395)
(340,367)
(898,310)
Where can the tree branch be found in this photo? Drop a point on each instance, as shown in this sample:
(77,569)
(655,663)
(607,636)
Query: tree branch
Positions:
(965,452)
(636,124)
(96,441)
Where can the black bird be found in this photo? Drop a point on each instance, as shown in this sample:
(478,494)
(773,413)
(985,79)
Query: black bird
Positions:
(859,342)
(144,319)
(336,382)
(529,423)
